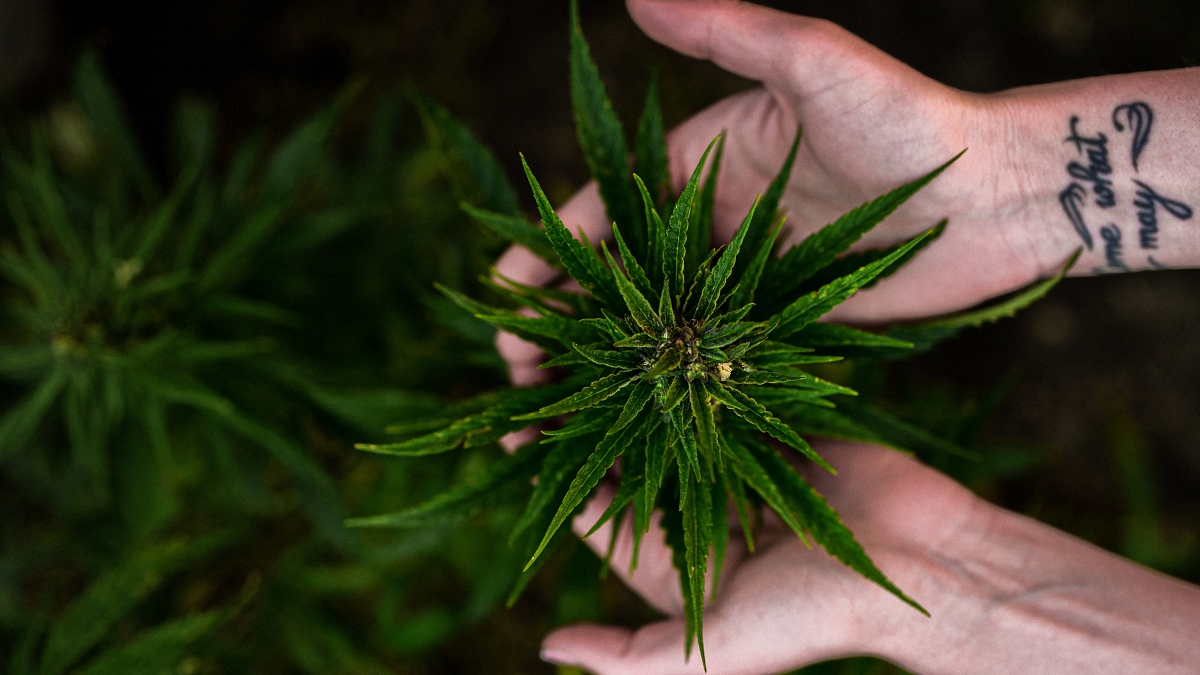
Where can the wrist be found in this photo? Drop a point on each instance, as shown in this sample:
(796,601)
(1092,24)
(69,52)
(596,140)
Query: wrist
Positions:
(1012,590)
(1103,164)
(945,579)
(1019,140)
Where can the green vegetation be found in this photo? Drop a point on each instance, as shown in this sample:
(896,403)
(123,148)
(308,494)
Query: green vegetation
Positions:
(681,361)
(178,365)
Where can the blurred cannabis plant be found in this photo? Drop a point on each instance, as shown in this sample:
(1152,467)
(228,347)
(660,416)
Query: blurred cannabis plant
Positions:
(127,314)
(177,365)
(682,359)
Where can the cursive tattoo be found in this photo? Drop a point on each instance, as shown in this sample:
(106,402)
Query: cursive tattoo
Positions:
(1072,200)
(1098,167)
(1111,235)
(1146,200)
(1139,117)
(1091,174)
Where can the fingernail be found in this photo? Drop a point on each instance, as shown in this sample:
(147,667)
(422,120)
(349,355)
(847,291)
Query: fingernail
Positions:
(557,657)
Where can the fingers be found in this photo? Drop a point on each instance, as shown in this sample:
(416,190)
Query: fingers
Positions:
(581,644)
(755,42)
(584,210)
(523,359)
(742,38)
(788,605)
(656,649)
(734,645)
(655,578)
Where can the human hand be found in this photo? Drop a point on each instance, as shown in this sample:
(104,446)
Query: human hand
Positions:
(785,605)
(870,124)
(1005,593)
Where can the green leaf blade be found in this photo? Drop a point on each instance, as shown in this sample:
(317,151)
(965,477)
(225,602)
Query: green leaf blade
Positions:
(762,419)
(761,236)
(699,233)
(720,275)
(639,308)
(821,248)
(656,235)
(695,503)
(507,476)
(558,467)
(602,138)
(650,147)
(575,259)
(706,426)
(621,360)
(464,156)
(825,525)
(808,308)
(159,650)
(675,250)
(593,394)
(636,274)
(606,452)
(113,595)
(517,230)
(927,334)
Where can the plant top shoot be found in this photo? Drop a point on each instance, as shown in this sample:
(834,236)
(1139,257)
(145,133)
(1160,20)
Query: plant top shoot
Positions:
(684,360)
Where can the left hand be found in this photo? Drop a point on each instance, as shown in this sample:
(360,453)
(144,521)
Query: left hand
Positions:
(786,606)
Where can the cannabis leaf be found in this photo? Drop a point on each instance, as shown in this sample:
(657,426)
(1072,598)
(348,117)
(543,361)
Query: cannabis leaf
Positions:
(685,360)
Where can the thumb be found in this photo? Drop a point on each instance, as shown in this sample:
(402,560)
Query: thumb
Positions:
(735,645)
(788,53)
(656,649)
(755,42)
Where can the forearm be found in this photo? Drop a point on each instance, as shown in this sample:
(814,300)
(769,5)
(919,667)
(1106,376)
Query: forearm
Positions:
(1017,596)
(1109,164)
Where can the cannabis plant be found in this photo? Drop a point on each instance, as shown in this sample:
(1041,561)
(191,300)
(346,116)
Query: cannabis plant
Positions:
(129,317)
(684,362)
(176,356)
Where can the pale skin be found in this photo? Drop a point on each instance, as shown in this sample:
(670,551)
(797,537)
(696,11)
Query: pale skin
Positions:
(1007,594)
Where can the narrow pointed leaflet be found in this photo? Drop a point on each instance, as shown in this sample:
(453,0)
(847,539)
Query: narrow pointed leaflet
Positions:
(613,444)
(675,251)
(716,281)
(639,308)
(602,138)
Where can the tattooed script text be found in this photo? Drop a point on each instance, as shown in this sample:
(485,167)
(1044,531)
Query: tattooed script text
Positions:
(1092,185)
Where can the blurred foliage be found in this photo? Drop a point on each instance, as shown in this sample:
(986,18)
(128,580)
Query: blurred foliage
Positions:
(178,365)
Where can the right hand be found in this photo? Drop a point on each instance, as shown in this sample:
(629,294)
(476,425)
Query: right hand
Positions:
(870,124)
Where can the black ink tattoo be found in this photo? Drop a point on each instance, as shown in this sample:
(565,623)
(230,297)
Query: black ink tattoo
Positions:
(1139,117)
(1147,201)
(1155,264)
(1072,200)
(1098,169)
(1111,235)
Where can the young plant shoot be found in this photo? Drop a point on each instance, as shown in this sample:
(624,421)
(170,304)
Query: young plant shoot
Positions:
(683,360)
